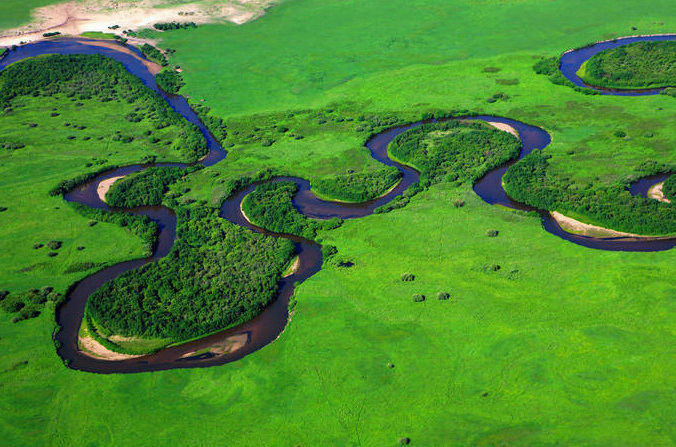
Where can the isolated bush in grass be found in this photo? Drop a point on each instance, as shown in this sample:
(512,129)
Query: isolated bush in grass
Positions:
(406,277)
(492,233)
(443,296)
(418,298)
(54,245)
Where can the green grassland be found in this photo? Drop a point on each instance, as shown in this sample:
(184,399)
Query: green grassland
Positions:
(638,65)
(561,345)
(48,157)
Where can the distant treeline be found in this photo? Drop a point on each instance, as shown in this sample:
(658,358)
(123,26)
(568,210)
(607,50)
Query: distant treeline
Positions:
(669,188)
(98,77)
(270,206)
(635,65)
(145,188)
(358,187)
(529,181)
(217,275)
(166,26)
(454,151)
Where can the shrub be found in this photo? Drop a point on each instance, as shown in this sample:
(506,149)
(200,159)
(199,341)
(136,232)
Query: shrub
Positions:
(407,277)
(38,246)
(54,245)
(458,203)
(492,233)
(418,298)
(443,296)
(620,133)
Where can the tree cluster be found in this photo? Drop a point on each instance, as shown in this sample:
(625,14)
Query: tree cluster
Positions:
(270,206)
(529,181)
(98,77)
(216,275)
(360,186)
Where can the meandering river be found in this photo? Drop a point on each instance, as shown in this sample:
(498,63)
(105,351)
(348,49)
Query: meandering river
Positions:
(234,343)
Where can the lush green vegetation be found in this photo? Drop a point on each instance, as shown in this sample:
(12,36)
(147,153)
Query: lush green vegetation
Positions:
(216,275)
(97,77)
(526,354)
(28,304)
(270,206)
(636,65)
(529,181)
(357,186)
(52,138)
(144,188)
(549,66)
(669,188)
(154,54)
(170,80)
(454,151)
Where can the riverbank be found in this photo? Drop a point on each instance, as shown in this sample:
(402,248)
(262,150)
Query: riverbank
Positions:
(104,186)
(657,192)
(576,227)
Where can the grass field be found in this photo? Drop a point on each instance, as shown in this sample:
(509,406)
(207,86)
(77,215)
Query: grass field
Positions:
(28,173)
(562,345)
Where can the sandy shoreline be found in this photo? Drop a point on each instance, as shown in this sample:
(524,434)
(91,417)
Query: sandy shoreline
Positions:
(104,186)
(294,267)
(656,192)
(577,227)
(93,348)
(504,127)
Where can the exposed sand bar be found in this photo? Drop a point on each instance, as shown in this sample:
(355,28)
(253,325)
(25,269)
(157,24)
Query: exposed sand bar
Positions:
(656,192)
(504,127)
(104,186)
(95,349)
(575,226)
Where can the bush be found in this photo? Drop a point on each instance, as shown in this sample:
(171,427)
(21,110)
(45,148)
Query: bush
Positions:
(170,81)
(620,133)
(443,296)
(407,277)
(166,26)
(154,54)
(418,298)
(54,245)
(669,188)
(492,233)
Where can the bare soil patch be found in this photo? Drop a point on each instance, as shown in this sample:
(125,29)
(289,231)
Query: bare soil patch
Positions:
(73,18)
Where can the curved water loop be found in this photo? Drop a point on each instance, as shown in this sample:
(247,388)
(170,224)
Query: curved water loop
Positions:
(266,327)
